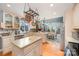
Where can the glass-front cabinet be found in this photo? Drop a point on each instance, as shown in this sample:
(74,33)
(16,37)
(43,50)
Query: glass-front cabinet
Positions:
(16,23)
(8,21)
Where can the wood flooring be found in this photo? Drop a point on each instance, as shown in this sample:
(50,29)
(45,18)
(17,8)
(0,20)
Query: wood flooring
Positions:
(51,50)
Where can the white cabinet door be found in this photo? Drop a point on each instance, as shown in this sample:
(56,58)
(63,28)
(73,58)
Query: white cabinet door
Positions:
(37,51)
(34,50)
(76,17)
(8,20)
(6,45)
(16,23)
(31,53)
(38,48)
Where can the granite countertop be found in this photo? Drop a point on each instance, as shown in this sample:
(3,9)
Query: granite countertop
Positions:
(24,42)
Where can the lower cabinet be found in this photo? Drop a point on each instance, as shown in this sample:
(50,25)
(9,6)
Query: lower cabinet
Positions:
(34,49)
(38,48)
(6,47)
(38,51)
(31,53)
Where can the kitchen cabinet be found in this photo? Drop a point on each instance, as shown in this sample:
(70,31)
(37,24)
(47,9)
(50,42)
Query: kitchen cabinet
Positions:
(16,22)
(6,45)
(31,53)
(76,16)
(37,50)
(6,19)
(27,47)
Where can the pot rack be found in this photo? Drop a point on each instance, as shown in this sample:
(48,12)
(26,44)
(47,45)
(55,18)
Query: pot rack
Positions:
(30,14)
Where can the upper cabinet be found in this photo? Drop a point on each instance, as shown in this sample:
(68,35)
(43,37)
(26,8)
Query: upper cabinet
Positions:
(16,23)
(8,20)
(76,16)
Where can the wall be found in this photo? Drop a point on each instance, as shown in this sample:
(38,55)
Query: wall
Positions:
(53,23)
(68,19)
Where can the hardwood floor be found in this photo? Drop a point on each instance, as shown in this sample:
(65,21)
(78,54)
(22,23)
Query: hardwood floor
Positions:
(7,54)
(51,50)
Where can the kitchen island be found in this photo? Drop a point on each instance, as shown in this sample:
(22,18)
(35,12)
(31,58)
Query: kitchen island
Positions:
(29,46)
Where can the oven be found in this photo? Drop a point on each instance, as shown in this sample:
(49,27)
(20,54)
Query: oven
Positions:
(72,49)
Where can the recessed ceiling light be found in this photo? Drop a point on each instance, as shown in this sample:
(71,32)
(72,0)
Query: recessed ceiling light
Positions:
(8,5)
(51,5)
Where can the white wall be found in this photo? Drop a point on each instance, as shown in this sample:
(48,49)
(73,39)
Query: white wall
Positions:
(68,18)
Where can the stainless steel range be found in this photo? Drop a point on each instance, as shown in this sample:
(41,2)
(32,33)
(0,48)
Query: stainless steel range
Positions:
(72,49)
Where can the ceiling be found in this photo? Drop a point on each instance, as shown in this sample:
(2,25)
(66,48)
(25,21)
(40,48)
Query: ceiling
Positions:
(44,9)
